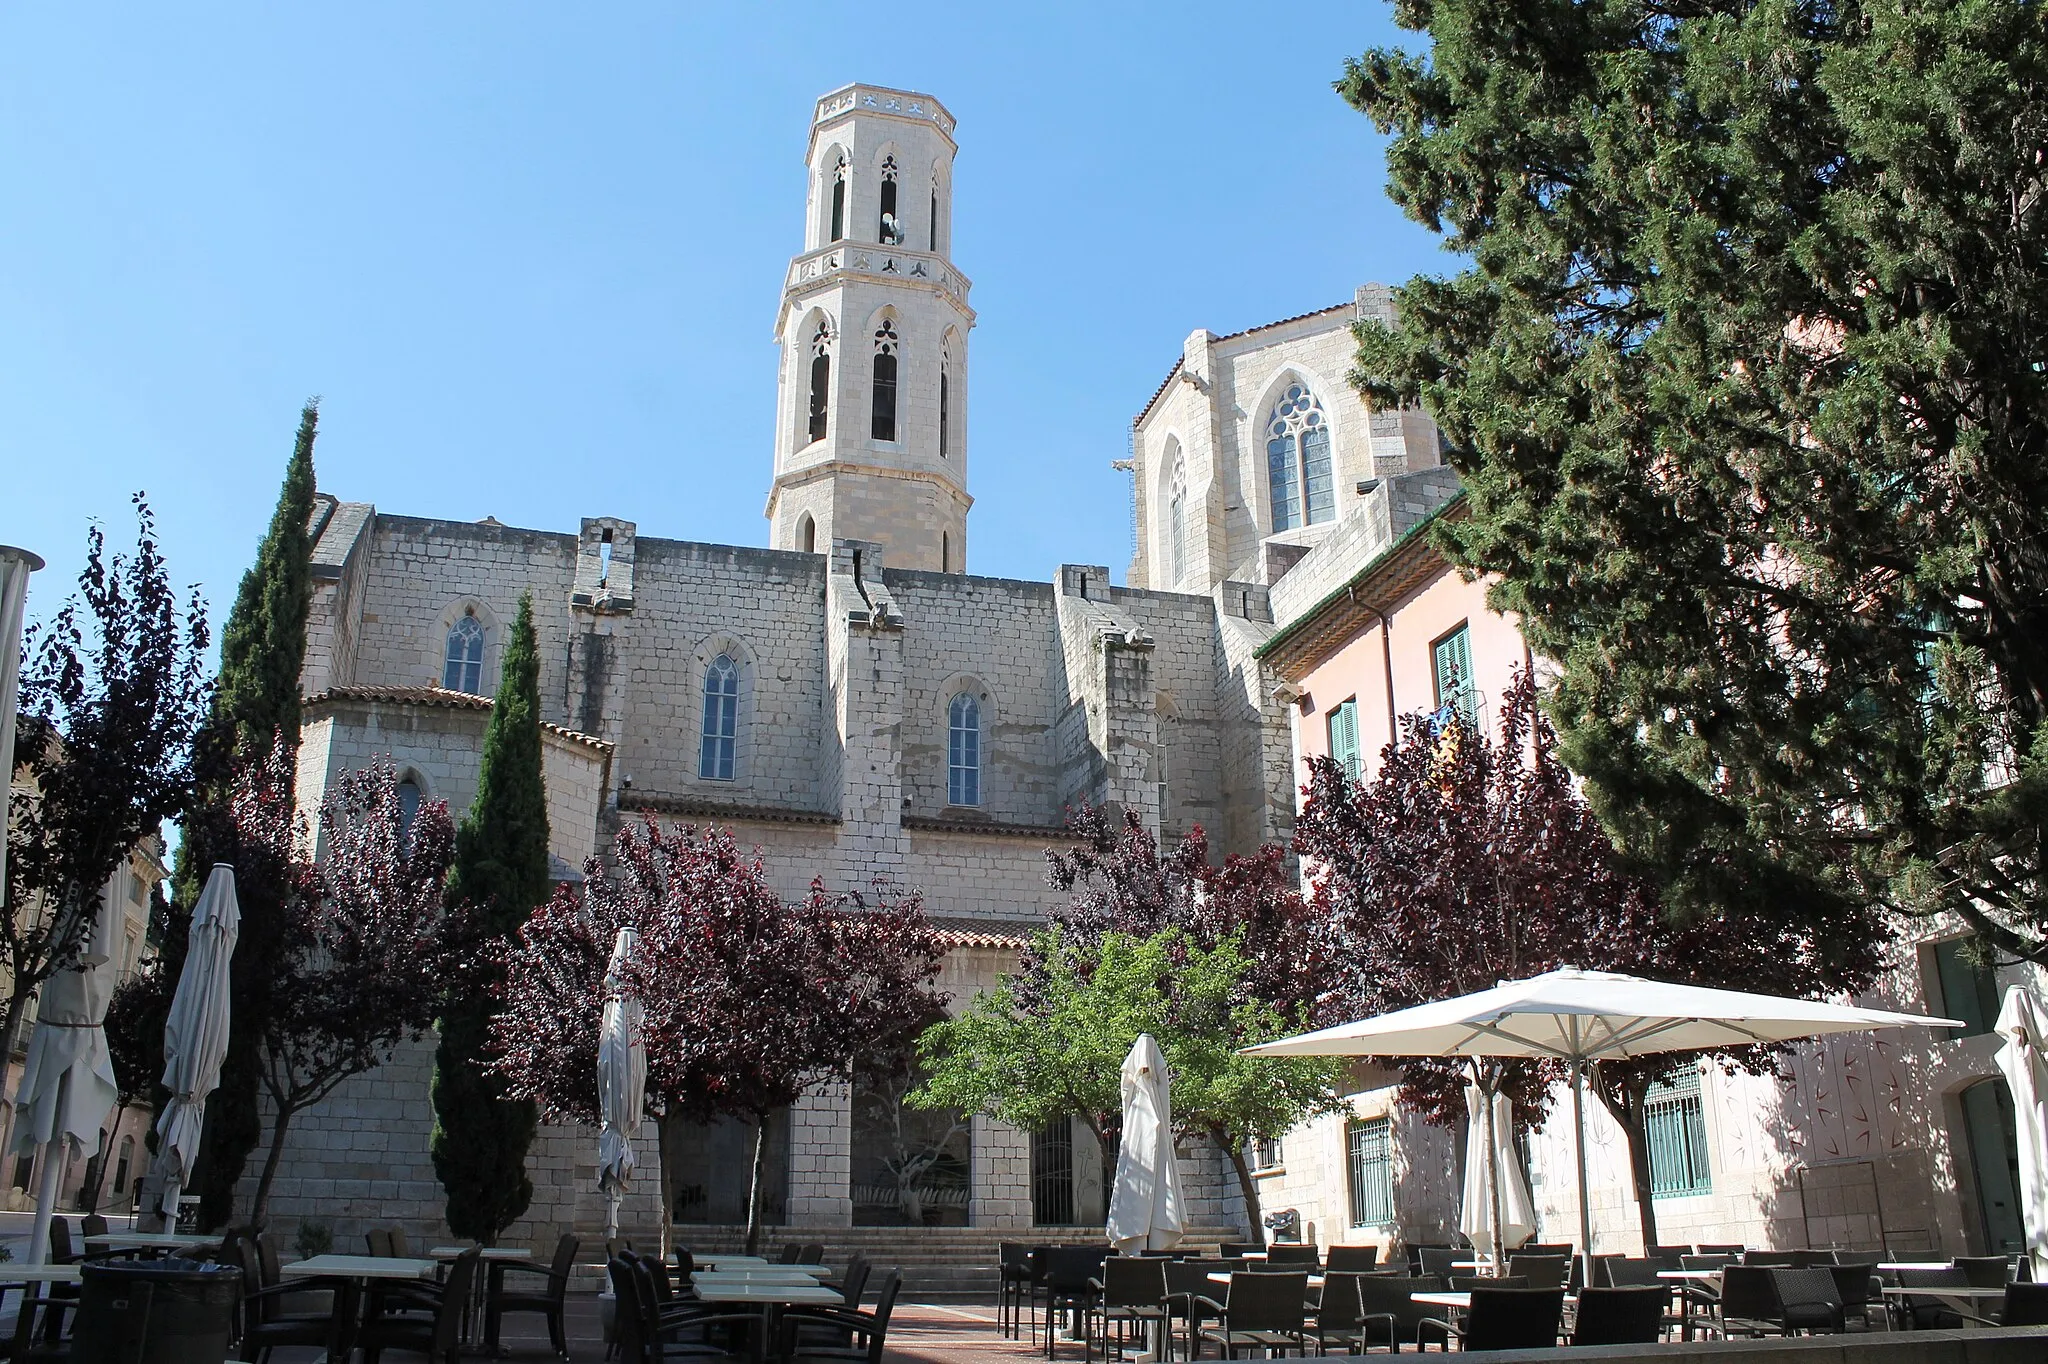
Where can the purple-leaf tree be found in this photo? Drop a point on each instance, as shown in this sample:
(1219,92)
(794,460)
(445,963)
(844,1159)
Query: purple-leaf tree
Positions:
(1469,859)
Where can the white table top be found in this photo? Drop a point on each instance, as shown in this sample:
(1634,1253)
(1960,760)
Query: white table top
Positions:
(752,1276)
(1894,1266)
(1314,1280)
(732,1260)
(753,1290)
(358,1267)
(1442,1299)
(150,1240)
(489,1252)
(1944,1291)
(13,1273)
(1694,1275)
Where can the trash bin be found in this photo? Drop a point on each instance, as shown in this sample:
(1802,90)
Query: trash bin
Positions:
(155,1312)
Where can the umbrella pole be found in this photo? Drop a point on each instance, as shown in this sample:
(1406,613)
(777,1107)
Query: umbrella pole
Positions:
(1585,1208)
(50,1156)
(1492,1168)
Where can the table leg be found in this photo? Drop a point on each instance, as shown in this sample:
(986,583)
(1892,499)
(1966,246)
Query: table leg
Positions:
(341,1329)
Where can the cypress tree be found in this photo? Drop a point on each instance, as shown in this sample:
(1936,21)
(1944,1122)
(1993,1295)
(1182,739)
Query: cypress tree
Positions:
(256,697)
(500,875)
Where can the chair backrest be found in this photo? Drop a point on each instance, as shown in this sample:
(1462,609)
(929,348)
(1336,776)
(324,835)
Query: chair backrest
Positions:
(1352,1259)
(401,1244)
(1703,1261)
(1542,1271)
(1768,1259)
(645,1304)
(1342,1307)
(1192,1276)
(91,1225)
(1722,1248)
(1946,1277)
(1013,1256)
(1804,1293)
(1662,1252)
(885,1306)
(1237,1250)
(1267,1302)
(244,1257)
(1393,1295)
(1985,1271)
(1437,1260)
(1069,1268)
(1513,1318)
(1746,1292)
(61,1251)
(1807,1259)
(1133,1281)
(1627,1273)
(1856,1283)
(1292,1253)
(1564,1248)
(1465,1283)
(686,1264)
(2026,1304)
(856,1282)
(791,1253)
(379,1242)
(562,1266)
(1621,1316)
(266,1253)
(812,1254)
(454,1301)
(629,1333)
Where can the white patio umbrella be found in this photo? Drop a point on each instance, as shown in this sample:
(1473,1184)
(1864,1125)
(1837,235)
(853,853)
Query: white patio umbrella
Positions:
(2023,1023)
(1582,1016)
(1496,1195)
(621,1080)
(68,1084)
(196,1034)
(1146,1211)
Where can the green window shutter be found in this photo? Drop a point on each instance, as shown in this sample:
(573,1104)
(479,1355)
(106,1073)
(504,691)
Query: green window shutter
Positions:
(1454,674)
(1675,1129)
(1344,738)
(1369,1152)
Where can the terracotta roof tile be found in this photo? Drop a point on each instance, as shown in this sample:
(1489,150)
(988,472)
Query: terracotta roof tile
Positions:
(446,700)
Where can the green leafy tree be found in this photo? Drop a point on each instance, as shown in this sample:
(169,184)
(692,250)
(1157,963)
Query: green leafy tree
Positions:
(1744,382)
(255,704)
(500,874)
(1041,1048)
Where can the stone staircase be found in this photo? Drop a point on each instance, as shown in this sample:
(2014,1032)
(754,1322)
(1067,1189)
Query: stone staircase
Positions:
(939,1264)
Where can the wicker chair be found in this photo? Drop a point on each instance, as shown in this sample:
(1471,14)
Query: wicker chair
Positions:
(1072,1284)
(1293,1253)
(1266,1312)
(1352,1259)
(1013,1286)
(1985,1271)
(1187,1289)
(1132,1293)
(1621,1316)
(549,1299)
(1501,1319)
(1748,1304)
(1808,1300)
(1388,1312)
(438,1337)
(2026,1304)
(869,1329)
(1541,1271)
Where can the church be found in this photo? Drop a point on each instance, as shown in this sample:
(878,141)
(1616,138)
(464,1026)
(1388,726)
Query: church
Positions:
(851,699)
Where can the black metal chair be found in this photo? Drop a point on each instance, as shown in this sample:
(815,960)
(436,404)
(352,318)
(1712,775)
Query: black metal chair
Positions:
(1501,1319)
(1541,1271)
(1339,1317)
(1187,1288)
(1985,1271)
(791,1253)
(1237,1250)
(1438,1260)
(1767,1259)
(1621,1316)
(1132,1293)
(1293,1253)
(265,1324)
(1721,1248)
(438,1338)
(549,1299)
(1860,1290)
(1807,1259)
(1260,1312)
(1352,1259)
(1748,1304)
(1072,1286)
(1808,1300)
(648,1335)
(868,1332)
(1388,1312)
(1013,1286)
(2026,1304)
(1662,1252)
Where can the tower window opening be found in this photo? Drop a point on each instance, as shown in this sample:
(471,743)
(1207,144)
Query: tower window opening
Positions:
(932,238)
(1177,522)
(604,558)
(821,382)
(807,534)
(891,232)
(839,200)
(882,425)
(945,552)
(945,416)
(1298,460)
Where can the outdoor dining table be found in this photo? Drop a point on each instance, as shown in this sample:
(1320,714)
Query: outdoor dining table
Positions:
(1958,1298)
(1691,1275)
(13,1274)
(1314,1280)
(734,1261)
(764,1274)
(478,1288)
(355,1273)
(770,1296)
(168,1241)
(1894,1266)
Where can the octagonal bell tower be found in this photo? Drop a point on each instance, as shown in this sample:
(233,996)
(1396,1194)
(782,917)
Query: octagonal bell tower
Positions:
(871,404)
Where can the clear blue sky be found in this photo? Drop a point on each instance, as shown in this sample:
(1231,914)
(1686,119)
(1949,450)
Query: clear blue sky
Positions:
(530,256)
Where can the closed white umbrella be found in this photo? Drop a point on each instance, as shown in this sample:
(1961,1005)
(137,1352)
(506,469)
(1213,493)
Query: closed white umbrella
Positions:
(2023,1023)
(1582,1016)
(68,1085)
(621,1080)
(1146,1210)
(1494,1186)
(196,1034)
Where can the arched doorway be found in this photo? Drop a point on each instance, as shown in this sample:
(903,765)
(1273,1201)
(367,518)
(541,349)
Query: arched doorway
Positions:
(1990,1134)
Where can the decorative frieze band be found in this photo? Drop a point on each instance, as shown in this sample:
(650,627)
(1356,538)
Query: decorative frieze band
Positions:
(870,99)
(892,264)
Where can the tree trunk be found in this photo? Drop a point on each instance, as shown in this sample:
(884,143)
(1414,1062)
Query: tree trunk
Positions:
(1627,1111)
(1248,1189)
(665,1146)
(99,1169)
(10,1025)
(761,1121)
(259,1208)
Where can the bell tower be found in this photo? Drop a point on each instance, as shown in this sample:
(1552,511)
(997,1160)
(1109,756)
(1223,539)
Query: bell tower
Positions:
(871,404)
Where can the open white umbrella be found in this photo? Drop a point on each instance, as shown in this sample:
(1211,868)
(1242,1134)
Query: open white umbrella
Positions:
(1146,1210)
(1581,1016)
(2023,1023)
(196,1034)
(621,1080)
(68,1085)
(1496,1195)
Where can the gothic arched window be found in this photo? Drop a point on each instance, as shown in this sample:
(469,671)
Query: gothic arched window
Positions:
(821,381)
(945,404)
(721,719)
(409,797)
(963,750)
(1298,460)
(932,239)
(807,534)
(891,227)
(463,669)
(838,200)
(883,423)
(1177,520)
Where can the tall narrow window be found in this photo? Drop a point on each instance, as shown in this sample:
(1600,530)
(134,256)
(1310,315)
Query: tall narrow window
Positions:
(721,719)
(1344,737)
(821,381)
(932,239)
(882,425)
(463,669)
(891,228)
(839,200)
(945,552)
(1298,471)
(945,401)
(963,751)
(1369,1156)
(807,534)
(1452,663)
(409,797)
(1177,523)
(1675,1129)
(1969,985)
